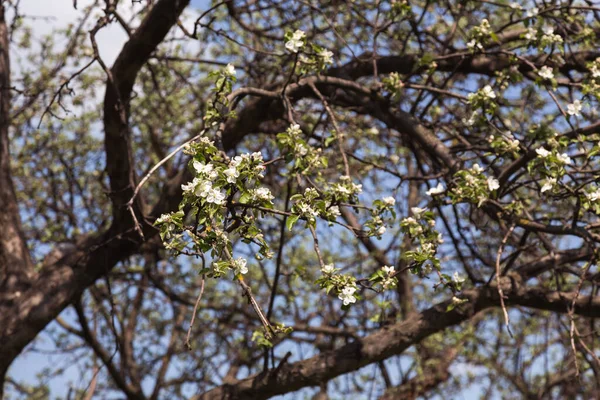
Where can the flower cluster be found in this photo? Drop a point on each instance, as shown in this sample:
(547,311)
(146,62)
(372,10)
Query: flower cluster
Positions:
(504,143)
(549,38)
(574,109)
(343,285)
(434,191)
(393,84)
(381,208)
(294,148)
(480,35)
(473,186)
(591,85)
(483,98)
(591,199)
(553,163)
(385,277)
(546,76)
(217,109)
(294,42)
(421,228)
(218,185)
(314,59)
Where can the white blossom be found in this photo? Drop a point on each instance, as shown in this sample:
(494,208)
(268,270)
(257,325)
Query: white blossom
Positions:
(531,34)
(203,189)
(307,210)
(388,270)
(262,194)
(488,92)
(188,187)
(409,220)
(476,168)
(548,184)
(549,35)
(389,201)
(296,42)
(294,130)
(457,279)
(230,70)
(484,28)
(347,295)
(546,72)
(202,168)
(381,230)
(327,268)
(327,56)
(493,183)
(515,6)
(563,158)
(595,71)
(300,149)
(593,196)
(427,247)
(533,12)
(436,190)
(236,161)
(417,211)
(163,218)
(356,188)
(472,119)
(335,211)
(440,239)
(474,44)
(215,196)
(574,108)
(240,265)
(232,174)
(341,189)
(542,152)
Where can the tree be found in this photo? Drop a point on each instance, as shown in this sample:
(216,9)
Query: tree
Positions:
(379,199)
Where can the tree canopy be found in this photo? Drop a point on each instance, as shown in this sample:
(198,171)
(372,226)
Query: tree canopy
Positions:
(326,199)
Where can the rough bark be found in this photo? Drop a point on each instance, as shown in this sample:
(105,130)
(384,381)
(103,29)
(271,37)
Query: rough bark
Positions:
(394,339)
(29,302)
(16,268)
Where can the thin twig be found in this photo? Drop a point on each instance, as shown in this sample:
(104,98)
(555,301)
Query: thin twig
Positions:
(189,332)
(138,227)
(498,277)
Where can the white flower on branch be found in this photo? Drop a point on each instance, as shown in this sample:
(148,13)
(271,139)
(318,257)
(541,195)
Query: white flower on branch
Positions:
(296,42)
(347,295)
(574,109)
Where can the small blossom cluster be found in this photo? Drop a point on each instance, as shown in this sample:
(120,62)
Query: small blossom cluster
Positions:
(217,182)
(591,199)
(346,190)
(504,143)
(305,205)
(376,226)
(591,86)
(483,98)
(473,186)
(553,163)
(343,285)
(224,80)
(480,35)
(549,38)
(420,227)
(305,157)
(393,84)
(315,61)
(294,41)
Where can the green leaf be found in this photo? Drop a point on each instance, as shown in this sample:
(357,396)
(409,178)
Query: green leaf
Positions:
(291,221)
